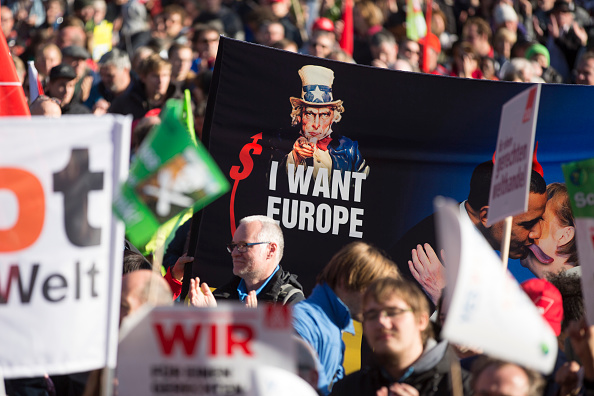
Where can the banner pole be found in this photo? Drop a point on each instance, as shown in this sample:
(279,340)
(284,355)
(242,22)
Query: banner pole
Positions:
(507,226)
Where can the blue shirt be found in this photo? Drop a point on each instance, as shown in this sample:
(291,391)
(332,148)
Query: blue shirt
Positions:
(243,293)
(320,321)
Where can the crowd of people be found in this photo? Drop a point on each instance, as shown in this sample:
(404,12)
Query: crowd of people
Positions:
(130,56)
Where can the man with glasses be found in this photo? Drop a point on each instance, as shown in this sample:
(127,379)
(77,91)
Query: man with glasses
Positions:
(256,250)
(408,360)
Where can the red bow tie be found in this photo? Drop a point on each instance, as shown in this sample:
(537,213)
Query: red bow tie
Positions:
(323,144)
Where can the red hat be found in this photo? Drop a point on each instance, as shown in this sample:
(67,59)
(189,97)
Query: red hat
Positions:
(547,299)
(324,24)
(432,41)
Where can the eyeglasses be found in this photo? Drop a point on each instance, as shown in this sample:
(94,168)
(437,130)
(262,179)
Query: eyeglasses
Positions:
(242,247)
(375,314)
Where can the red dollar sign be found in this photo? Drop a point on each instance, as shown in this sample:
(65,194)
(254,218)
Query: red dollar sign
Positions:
(245,157)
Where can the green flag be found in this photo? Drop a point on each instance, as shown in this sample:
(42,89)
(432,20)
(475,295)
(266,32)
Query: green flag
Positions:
(169,174)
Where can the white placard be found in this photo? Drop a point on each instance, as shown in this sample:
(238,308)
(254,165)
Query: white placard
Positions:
(60,246)
(510,184)
(189,351)
(488,309)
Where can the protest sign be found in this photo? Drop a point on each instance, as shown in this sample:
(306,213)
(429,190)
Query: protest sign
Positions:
(169,174)
(510,184)
(579,178)
(189,351)
(60,246)
(420,135)
(486,308)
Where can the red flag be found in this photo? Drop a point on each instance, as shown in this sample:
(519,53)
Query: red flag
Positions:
(347,39)
(12,95)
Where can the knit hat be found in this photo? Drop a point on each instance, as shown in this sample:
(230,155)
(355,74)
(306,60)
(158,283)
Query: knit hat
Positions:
(536,49)
(547,299)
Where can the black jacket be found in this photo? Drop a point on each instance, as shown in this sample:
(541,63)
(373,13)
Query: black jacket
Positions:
(283,288)
(429,375)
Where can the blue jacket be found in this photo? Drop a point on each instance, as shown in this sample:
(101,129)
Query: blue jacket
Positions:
(320,321)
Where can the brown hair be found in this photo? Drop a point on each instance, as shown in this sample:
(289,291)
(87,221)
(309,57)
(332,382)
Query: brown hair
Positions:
(153,64)
(557,193)
(383,289)
(356,266)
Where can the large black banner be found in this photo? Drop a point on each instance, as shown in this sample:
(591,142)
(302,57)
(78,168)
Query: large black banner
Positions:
(396,140)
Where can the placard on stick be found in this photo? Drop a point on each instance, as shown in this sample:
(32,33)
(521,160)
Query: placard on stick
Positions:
(510,184)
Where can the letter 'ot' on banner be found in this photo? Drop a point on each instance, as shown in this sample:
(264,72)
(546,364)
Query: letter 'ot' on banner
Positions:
(487,308)
(510,184)
(60,245)
(187,351)
(579,179)
(169,174)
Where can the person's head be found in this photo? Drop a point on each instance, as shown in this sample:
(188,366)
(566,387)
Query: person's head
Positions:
(463,52)
(555,250)
(352,269)
(519,70)
(134,262)
(139,55)
(478,33)
(54,9)
(47,57)
(180,57)
(114,69)
(434,49)
(540,54)
(84,10)
(6,20)
(322,43)
(411,51)
(255,263)
(383,47)
(504,15)
(503,41)
(174,18)
(492,377)
(76,57)
(140,287)
(71,32)
(46,106)
(155,73)
(270,32)
(100,8)
(62,80)
(585,69)
(563,14)
(526,227)
(279,8)
(316,110)
(206,41)
(366,14)
(286,44)
(396,320)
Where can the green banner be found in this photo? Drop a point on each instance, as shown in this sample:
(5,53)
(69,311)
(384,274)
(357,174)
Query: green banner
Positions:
(579,178)
(169,174)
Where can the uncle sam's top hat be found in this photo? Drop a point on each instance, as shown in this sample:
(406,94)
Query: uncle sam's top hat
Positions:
(316,88)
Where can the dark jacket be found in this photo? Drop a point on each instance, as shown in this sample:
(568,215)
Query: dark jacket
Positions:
(134,101)
(429,375)
(283,288)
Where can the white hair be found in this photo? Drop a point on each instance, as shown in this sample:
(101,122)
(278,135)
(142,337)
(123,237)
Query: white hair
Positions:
(270,232)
